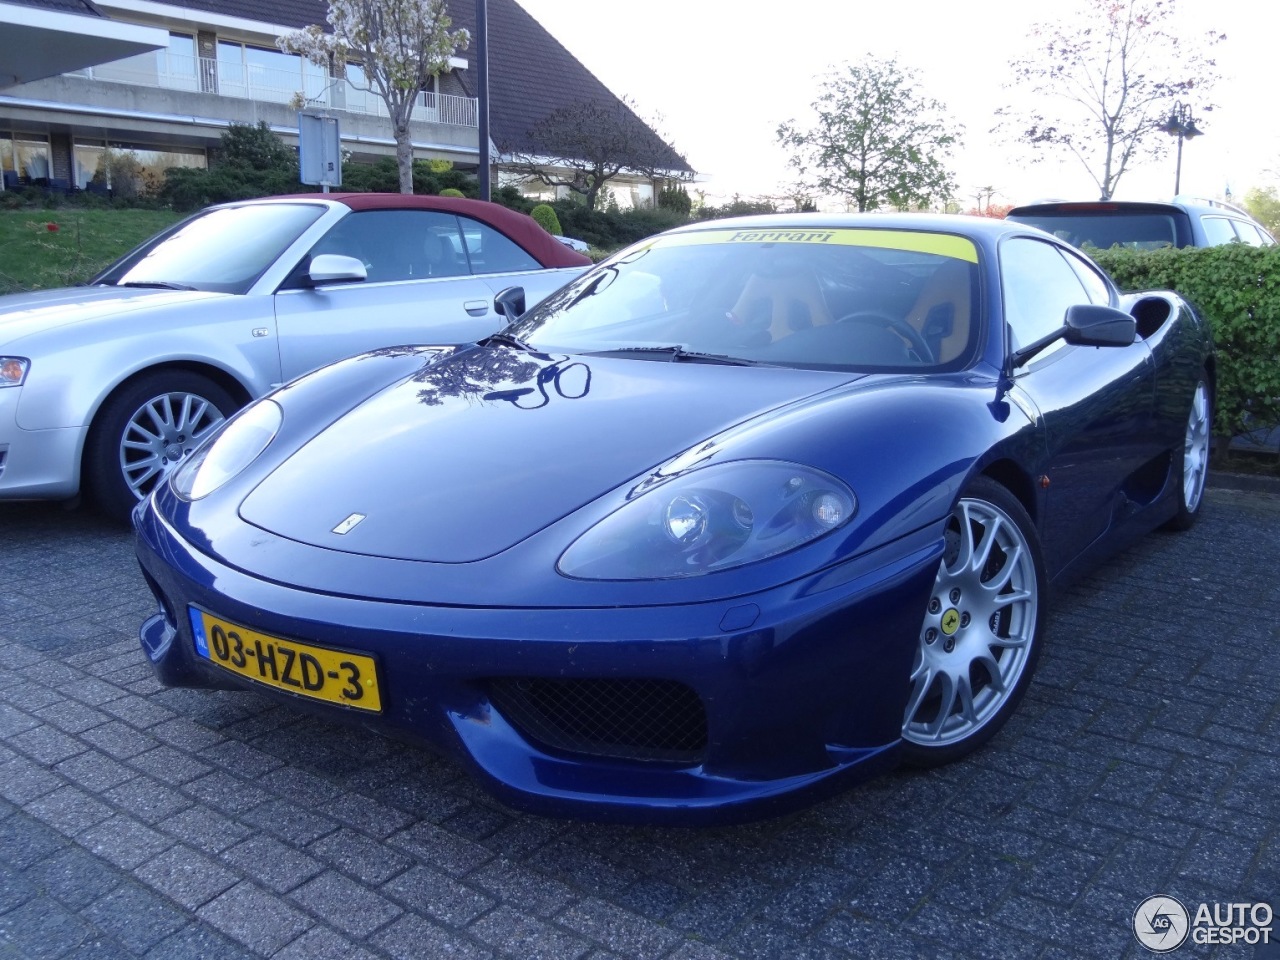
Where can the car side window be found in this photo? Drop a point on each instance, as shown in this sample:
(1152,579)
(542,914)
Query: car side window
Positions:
(1095,286)
(1217,230)
(492,252)
(397,245)
(1250,234)
(1038,286)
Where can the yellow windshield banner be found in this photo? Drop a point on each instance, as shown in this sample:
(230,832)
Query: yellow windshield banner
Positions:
(941,244)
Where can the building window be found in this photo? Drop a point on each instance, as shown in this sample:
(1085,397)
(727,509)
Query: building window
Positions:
(129,169)
(178,63)
(24,159)
(260,73)
(173,68)
(360,98)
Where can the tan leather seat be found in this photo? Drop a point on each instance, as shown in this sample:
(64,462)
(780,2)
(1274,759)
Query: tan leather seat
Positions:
(784,304)
(942,311)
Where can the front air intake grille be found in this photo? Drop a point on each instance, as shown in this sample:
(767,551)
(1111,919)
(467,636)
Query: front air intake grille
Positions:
(627,719)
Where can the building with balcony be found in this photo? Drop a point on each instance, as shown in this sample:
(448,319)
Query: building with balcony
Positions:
(197,66)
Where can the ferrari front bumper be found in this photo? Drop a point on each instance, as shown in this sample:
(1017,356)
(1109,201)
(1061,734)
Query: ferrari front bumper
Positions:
(783,695)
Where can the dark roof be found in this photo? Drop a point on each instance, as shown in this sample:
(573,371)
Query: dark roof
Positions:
(290,13)
(85,7)
(531,74)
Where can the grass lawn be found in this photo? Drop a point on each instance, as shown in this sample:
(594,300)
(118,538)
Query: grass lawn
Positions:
(34,257)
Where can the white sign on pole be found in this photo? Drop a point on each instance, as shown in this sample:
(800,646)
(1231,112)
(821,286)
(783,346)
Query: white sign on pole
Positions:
(319,150)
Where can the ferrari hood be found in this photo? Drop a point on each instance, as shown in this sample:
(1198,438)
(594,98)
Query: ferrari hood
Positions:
(479,451)
(26,313)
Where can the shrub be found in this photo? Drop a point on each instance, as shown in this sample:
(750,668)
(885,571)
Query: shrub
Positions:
(737,207)
(251,162)
(510,196)
(1236,288)
(381,176)
(611,229)
(430,177)
(190,189)
(449,179)
(257,147)
(545,214)
(675,198)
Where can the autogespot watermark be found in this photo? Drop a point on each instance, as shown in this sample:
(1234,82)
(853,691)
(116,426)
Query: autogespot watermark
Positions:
(1162,924)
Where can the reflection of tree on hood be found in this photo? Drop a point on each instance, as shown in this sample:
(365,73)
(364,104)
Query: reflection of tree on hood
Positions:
(474,374)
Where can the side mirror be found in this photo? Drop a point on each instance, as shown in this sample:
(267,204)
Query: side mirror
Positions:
(1087,325)
(510,303)
(1095,325)
(330,268)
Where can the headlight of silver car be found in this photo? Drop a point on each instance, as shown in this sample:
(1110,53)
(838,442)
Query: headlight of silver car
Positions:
(711,519)
(13,371)
(236,446)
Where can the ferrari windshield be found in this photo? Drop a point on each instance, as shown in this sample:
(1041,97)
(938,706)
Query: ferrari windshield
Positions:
(828,298)
(225,249)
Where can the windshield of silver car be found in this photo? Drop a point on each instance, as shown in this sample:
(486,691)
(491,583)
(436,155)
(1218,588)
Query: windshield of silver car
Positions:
(224,249)
(826,298)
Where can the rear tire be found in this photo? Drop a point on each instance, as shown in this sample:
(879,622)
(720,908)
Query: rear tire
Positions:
(1192,466)
(144,431)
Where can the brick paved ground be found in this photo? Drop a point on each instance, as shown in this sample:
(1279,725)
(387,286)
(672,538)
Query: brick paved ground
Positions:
(140,822)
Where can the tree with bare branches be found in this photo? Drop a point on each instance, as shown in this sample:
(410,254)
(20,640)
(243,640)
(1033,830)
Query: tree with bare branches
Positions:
(586,144)
(1103,82)
(400,44)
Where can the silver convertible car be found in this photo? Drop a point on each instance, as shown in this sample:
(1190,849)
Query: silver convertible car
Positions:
(105,388)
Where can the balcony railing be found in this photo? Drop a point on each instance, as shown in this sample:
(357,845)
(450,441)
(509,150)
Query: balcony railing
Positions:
(171,71)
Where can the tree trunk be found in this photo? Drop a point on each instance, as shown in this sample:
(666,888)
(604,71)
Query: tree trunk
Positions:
(404,158)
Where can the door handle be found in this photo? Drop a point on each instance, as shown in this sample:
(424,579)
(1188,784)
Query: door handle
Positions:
(477,308)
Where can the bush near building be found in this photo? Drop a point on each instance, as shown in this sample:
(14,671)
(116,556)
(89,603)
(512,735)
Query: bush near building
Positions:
(1237,289)
(545,214)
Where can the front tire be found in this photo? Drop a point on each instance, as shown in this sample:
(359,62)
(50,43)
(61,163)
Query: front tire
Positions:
(1193,466)
(144,431)
(980,639)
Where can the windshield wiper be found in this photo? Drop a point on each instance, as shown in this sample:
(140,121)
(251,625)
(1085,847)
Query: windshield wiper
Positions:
(675,352)
(156,284)
(509,339)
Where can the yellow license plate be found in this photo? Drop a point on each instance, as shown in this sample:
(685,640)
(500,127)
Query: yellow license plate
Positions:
(346,679)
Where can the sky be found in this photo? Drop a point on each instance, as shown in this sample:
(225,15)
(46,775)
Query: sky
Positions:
(722,76)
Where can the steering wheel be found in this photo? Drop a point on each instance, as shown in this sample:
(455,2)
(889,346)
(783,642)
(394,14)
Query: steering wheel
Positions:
(899,326)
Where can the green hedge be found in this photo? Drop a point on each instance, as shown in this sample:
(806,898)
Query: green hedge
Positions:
(1237,289)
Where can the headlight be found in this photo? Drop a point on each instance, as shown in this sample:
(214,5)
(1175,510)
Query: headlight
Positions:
(230,451)
(13,370)
(711,519)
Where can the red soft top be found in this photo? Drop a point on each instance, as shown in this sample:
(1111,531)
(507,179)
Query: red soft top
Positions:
(521,228)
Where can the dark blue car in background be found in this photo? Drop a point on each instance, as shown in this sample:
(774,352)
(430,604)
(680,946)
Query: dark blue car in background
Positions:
(750,511)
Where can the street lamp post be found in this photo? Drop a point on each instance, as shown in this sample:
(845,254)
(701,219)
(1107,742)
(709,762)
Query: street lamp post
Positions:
(1181,124)
(482,93)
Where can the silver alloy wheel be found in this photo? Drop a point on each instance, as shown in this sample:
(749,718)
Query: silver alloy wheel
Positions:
(160,435)
(1195,454)
(978,628)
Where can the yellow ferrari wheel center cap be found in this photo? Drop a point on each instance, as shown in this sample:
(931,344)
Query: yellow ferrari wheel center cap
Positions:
(950,621)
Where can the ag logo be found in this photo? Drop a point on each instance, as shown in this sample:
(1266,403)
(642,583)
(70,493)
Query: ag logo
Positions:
(1161,924)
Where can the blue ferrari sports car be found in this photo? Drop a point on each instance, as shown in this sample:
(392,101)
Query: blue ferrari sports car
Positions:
(748,512)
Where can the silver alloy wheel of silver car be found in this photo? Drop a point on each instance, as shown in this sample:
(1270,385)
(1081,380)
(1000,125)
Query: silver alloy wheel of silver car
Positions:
(975,642)
(160,434)
(1195,456)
